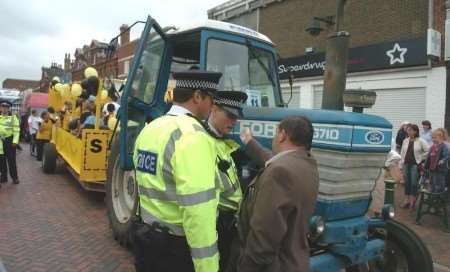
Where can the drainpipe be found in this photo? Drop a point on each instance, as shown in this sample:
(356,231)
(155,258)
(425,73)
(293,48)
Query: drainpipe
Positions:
(430,20)
(447,64)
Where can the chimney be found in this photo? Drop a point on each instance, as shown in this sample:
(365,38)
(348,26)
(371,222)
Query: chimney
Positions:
(125,36)
(67,65)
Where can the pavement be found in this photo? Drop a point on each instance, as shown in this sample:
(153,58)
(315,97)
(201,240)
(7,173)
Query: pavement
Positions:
(431,231)
(49,223)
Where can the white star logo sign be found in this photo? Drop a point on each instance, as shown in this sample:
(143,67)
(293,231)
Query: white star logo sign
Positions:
(396,54)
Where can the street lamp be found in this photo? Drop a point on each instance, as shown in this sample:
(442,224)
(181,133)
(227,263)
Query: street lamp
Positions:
(335,58)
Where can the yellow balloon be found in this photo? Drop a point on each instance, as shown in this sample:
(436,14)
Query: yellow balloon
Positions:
(76,90)
(56,79)
(65,90)
(104,95)
(90,71)
(59,87)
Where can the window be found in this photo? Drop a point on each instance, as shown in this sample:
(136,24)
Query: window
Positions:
(144,82)
(245,68)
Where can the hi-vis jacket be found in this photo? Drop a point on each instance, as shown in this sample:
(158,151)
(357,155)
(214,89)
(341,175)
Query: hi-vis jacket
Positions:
(175,161)
(231,193)
(10,126)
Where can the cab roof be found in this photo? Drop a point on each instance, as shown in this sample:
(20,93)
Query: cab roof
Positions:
(221,26)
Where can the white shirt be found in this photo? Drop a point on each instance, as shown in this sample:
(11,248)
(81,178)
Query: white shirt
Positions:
(116,107)
(33,124)
(178,110)
(279,155)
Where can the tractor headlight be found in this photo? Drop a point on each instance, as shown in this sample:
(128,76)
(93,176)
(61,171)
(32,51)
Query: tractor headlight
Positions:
(388,212)
(316,225)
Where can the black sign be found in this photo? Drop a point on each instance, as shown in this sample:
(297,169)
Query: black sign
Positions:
(388,55)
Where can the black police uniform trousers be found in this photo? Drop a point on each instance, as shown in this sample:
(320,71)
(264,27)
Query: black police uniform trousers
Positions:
(226,232)
(155,250)
(10,157)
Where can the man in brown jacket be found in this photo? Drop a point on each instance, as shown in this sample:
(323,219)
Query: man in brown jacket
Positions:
(278,203)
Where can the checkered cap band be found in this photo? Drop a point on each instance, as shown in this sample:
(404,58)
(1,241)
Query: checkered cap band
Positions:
(228,102)
(196,84)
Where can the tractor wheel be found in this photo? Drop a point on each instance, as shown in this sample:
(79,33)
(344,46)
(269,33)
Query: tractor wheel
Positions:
(49,157)
(121,197)
(404,251)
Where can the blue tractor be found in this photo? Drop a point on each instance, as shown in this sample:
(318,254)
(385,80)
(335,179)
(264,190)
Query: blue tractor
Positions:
(350,147)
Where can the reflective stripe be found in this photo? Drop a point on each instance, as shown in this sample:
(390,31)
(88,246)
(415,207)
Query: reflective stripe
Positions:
(204,252)
(217,181)
(167,165)
(184,200)
(226,182)
(228,203)
(156,194)
(150,219)
(197,198)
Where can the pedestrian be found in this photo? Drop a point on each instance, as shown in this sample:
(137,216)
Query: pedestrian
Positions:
(401,136)
(10,133)
(175,163)
(44,134)
(436,163)
(414,151)
(277,205)
(426,132)
(225,112)
(2,158)
(33,128)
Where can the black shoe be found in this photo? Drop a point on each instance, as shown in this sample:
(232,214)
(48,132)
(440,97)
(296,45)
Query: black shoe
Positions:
(3,181)
(16,181)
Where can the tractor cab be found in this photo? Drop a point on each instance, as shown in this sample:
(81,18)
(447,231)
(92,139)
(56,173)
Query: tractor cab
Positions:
(247,60)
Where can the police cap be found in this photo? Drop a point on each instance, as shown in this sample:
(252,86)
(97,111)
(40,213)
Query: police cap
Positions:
(5,103)
(197,80)
(231,101)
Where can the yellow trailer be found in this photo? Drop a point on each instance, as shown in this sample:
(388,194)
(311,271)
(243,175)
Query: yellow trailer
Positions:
(84,155)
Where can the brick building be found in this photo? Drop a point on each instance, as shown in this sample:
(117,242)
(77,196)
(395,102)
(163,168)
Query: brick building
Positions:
(112,60)
(96,55)
(19,84)
(387,54)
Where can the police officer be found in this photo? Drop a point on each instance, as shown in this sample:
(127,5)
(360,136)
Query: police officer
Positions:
(226,110)
(175,162)
(2,158)
(9,133)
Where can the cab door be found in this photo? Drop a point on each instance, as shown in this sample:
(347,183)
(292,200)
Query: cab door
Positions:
(142,99)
